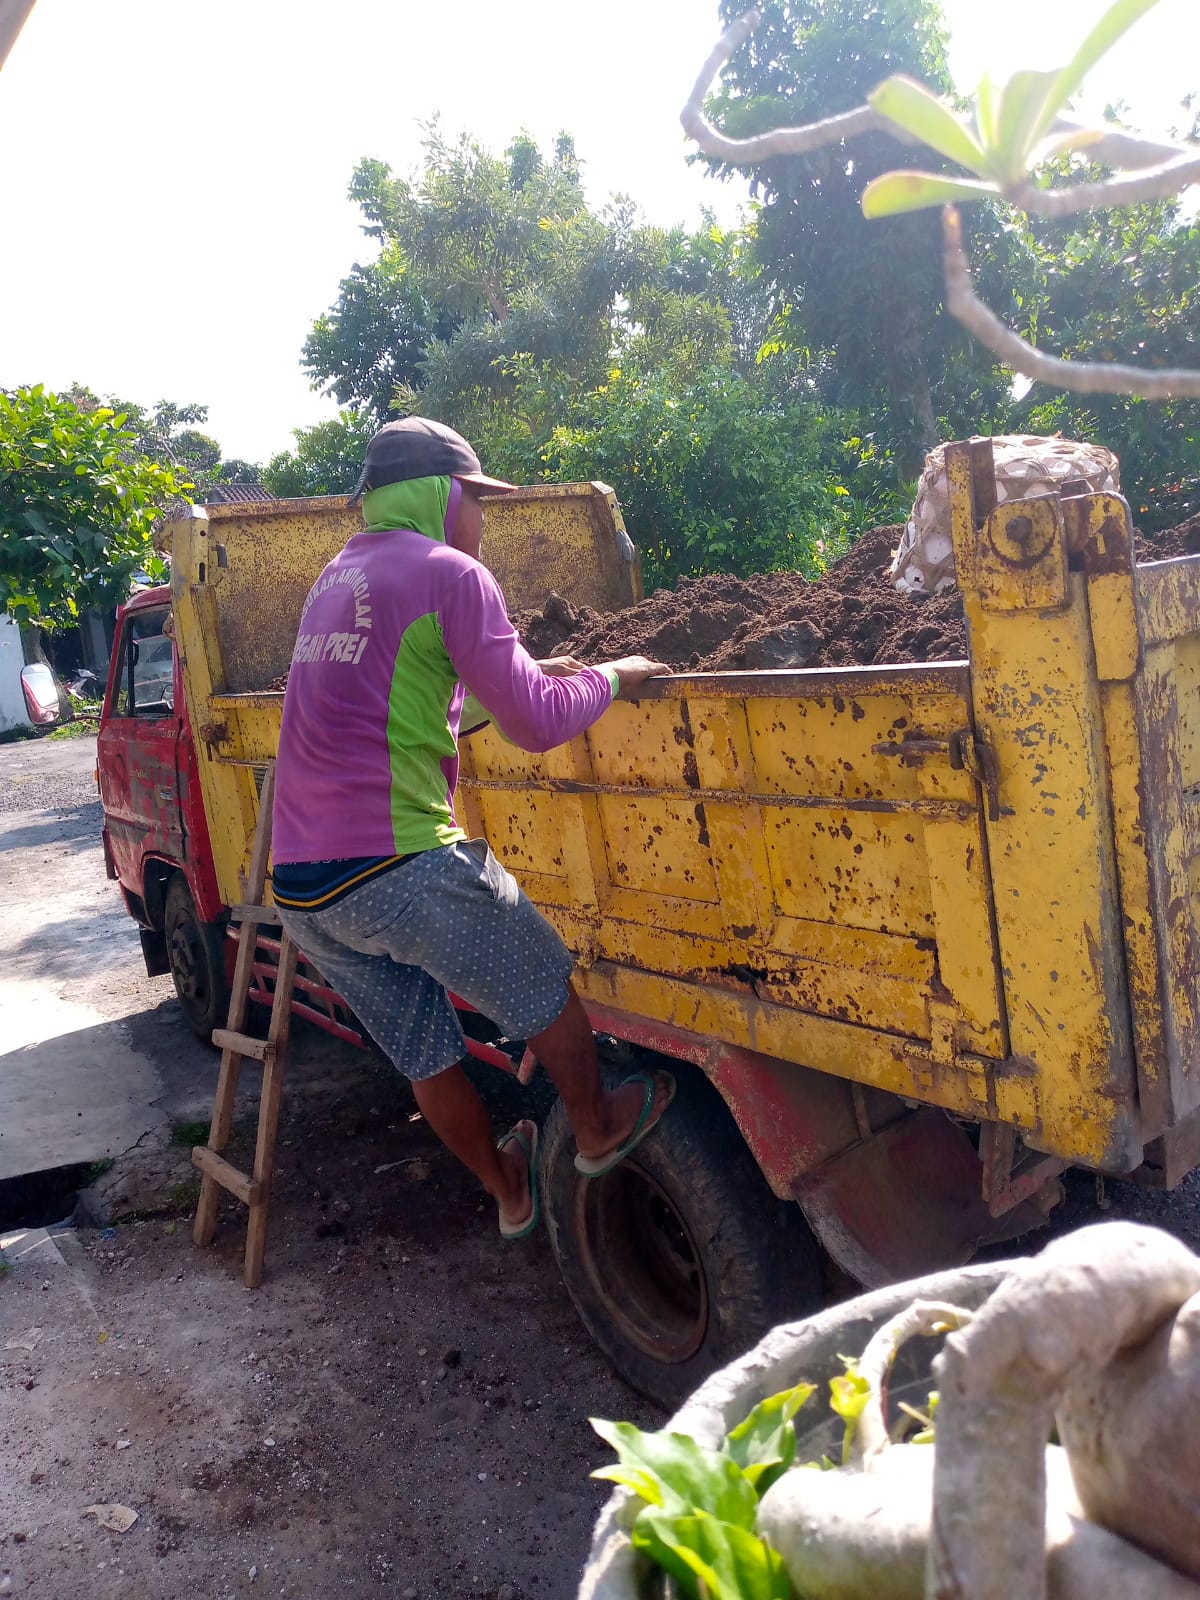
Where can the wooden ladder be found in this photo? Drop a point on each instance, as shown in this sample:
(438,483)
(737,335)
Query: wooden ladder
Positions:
(238,1046)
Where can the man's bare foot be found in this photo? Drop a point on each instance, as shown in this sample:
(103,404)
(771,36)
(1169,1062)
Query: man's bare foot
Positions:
(516,1203)
(621,1111)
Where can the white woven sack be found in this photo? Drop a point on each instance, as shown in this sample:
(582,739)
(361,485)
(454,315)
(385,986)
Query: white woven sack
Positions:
(924,561)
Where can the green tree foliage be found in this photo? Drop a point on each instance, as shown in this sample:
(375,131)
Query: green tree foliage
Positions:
(568,342)
(484,261)
(720,476)
(867,294)
(78,501)
(1118,286)
(327,458)
(373,341)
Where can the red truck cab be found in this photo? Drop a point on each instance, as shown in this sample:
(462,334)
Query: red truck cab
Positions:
(156,842)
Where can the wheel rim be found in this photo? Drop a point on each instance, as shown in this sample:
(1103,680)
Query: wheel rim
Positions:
(643,1262)
(188,966)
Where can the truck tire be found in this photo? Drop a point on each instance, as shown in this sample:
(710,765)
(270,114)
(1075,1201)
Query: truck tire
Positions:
(681,1258)
(196,952)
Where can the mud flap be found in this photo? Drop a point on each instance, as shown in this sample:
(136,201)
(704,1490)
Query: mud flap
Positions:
(908,1201)
(154,952)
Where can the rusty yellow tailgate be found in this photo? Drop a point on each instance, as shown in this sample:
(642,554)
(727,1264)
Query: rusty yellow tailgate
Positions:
(759,858)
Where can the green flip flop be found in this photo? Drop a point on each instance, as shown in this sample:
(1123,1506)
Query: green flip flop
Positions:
(529,1149)
(597,1166)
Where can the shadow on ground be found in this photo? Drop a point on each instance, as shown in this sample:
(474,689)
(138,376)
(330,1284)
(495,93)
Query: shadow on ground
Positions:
(76,826)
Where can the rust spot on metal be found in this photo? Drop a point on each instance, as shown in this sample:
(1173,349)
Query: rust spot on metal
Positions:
(702,822)
(1110,549)
(750,976)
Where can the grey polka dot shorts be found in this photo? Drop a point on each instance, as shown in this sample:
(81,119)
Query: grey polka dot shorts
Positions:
(448,919)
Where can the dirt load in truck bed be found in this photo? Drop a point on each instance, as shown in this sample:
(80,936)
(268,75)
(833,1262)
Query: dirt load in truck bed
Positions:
(851,616)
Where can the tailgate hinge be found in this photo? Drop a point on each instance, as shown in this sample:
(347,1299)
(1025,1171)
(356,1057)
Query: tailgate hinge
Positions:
(969,753)
(1012,1173)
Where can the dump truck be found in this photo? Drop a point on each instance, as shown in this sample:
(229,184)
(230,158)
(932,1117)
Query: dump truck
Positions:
(914,939)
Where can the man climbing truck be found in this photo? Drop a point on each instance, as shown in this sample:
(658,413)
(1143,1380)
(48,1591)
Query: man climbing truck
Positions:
(374,878)
(910,939)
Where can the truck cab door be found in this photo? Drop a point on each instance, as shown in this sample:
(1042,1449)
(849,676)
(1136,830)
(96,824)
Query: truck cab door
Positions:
(138,748)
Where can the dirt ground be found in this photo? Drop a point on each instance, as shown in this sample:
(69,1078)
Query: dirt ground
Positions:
(400,1409)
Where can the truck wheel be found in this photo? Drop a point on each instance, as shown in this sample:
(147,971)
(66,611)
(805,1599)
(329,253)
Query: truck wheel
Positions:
(681,1258)
(196,951)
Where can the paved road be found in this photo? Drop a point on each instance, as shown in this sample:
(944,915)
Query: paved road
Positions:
(55,773)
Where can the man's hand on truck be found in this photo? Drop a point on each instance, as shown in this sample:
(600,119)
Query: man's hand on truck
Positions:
(632,670)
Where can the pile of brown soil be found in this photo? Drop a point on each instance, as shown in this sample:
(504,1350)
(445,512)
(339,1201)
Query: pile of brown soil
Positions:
(1181,541)
(852,616)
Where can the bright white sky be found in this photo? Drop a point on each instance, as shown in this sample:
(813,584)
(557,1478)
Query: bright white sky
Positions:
(174,178)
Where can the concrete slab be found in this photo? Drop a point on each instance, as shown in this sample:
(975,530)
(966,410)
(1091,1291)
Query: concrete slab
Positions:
(81,1096)
(72,1089)
(95,1057)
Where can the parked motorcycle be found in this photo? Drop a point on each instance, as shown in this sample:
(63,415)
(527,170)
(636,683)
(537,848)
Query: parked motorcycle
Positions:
(83,684)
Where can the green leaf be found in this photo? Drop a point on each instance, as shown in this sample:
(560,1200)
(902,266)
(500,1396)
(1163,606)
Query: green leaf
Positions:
(1117,20)
(918,110)
(849,1396)
(764,1445)
(895,192)
(730,1563)
(644,1484)
(987,104)
(1020,122)
(686,1476)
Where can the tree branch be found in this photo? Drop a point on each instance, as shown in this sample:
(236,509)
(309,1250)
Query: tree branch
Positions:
(1175,167)
(875,1363)
(1081,377)
(12,19)
(1117,148)
(1067,1313)
(1125,189)
(779,141)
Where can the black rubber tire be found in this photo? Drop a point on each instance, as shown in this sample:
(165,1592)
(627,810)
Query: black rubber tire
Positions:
(196,952)
(681,1258)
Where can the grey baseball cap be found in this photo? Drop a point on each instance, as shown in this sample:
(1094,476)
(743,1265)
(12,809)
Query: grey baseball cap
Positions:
(418,447)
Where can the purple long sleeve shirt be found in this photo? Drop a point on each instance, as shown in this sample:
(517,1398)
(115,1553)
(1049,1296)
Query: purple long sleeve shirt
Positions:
(394,632)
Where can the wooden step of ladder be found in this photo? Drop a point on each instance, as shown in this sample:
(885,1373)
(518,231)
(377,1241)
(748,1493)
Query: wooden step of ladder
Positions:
(254,1189)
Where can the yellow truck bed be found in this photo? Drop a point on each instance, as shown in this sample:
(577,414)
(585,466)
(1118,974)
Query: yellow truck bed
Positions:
(972,885)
